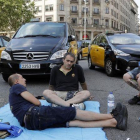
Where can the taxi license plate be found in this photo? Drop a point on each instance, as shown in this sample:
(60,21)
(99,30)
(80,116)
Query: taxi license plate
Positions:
(29,66)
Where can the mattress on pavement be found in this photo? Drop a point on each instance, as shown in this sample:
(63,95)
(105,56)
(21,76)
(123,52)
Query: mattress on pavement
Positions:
(72,133)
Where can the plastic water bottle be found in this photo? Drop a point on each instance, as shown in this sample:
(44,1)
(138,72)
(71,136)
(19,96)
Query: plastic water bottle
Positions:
(110,102)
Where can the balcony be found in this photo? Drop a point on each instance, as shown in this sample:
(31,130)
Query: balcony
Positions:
(87,2)
(96,13)
(83,12)
(74,24)
(73,1)
(133,10)
(73,12)
(96,2)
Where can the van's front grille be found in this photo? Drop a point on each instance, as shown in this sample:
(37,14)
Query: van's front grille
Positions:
(30,56)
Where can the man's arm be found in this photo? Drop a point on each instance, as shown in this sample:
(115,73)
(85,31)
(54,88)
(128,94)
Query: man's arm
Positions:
(51,87)
(84,86)
(29,97)
(138,75)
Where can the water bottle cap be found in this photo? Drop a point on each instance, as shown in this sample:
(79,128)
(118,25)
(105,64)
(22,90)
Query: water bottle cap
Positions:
(111,92)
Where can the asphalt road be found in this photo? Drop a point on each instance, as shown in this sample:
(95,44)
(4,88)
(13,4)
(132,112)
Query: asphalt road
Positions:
(99,85)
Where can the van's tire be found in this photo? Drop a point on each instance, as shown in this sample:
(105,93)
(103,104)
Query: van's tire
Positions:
(5,77)
(90,65)
(109,67)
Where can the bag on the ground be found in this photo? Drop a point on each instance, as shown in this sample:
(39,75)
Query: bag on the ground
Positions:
(13,131)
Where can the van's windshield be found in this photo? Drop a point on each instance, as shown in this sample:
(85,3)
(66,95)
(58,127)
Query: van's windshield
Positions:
(46,29)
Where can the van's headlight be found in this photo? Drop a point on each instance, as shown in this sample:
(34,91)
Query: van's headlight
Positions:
(58,54)
(120,53)
(5,55)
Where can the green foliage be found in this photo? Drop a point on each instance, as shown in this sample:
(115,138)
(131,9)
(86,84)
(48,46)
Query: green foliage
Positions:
(15,12)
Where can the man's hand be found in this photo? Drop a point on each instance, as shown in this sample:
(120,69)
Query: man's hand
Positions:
(137,76)
(91,97)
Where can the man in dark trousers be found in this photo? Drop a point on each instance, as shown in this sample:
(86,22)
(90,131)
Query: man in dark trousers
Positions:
(29,112)
(64,83)
(132,78)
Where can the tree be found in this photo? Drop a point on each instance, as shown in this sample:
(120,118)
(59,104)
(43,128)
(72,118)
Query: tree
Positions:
(13,13)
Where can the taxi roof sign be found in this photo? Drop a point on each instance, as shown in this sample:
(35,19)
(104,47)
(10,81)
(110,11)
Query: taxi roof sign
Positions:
(35,20)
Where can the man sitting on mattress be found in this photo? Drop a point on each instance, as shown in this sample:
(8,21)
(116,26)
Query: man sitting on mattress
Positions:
(30,114)
(64,83)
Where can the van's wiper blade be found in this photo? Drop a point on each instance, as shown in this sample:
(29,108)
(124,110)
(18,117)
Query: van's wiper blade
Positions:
(37,35)
(26,36)
(46,35)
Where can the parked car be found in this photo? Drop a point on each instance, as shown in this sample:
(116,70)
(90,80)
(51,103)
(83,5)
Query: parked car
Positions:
(37,47)
(84,49)
(3,43)
(114,51)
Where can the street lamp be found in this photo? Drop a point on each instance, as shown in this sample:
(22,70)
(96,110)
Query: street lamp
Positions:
(85,23)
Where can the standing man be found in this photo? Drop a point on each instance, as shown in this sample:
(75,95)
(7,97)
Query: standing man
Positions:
(64,83)
(132,78)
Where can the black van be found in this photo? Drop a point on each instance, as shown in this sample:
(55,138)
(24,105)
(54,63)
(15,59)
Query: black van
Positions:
(37,47)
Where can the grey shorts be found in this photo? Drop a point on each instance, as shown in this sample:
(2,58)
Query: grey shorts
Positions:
(134,72)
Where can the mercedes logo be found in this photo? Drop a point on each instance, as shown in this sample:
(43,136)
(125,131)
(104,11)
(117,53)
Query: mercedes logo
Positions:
(30,56)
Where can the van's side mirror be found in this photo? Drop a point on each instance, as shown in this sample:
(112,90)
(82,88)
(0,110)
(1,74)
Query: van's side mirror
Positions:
(102,45)
(107,47)
(71,38)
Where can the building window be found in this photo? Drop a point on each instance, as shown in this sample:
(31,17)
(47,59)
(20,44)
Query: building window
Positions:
(117,15)
(61,7)
(107,23)
(96,1)
(38,8)
(74,8)
(85,10)
(61,18)
(49,7)
(107,10)
(96,21)
(112,12)
(112,25)
(84,21)
(74,20)
(96,11)
(48,18)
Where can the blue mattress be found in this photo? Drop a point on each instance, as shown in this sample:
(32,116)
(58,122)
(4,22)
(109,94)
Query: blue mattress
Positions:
(72,133)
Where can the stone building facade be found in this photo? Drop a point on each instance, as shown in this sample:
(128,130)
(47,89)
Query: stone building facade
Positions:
(99,15)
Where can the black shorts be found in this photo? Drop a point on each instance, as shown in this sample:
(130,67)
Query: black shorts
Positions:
(43,117)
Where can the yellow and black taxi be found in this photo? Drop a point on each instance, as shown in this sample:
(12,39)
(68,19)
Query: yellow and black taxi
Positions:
(37,47)
(84,49)
(114,51)
(3,43)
